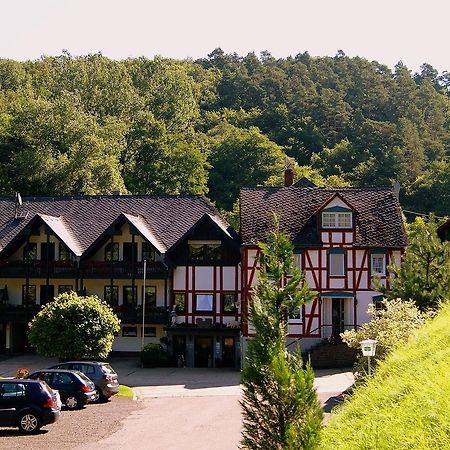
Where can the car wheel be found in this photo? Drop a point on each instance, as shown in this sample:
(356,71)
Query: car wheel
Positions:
(72,402)
(98,395)
(29,422)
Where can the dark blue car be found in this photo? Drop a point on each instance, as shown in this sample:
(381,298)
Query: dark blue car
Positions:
(27,404)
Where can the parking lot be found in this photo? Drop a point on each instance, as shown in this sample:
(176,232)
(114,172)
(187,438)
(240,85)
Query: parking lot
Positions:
(180,409)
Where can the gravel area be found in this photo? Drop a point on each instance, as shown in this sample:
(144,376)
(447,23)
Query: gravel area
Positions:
(74,428)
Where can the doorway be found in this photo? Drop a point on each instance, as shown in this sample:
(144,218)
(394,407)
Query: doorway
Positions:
(338,317)
(179,349)
(228,352)
(203,351)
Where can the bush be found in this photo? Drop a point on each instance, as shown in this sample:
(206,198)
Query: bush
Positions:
(390,326)
(153,355)
(405,405)
(74,327)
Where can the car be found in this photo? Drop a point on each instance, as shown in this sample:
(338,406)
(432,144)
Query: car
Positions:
(27,404)
(75,388)
(101,373)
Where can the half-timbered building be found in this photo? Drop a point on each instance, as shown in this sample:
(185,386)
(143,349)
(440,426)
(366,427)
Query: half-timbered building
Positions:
(96,245)
(343,238)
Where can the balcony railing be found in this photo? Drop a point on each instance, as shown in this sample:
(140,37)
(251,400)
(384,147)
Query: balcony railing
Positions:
(133,314)
(38,269)
(122,269)
(18,313)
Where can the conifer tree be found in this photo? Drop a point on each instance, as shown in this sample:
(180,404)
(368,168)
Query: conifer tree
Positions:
(280,406)
(424,275)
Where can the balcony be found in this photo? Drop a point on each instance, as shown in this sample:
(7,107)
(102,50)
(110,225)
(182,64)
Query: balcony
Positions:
(38,269)
(122,269)
(18,313)
(133,314)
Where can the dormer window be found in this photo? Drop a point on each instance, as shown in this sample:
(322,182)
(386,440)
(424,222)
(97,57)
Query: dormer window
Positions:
(204,250)
(337,217)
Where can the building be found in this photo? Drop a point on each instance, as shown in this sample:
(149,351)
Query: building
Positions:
(96,245)
(343,239)
(444,231)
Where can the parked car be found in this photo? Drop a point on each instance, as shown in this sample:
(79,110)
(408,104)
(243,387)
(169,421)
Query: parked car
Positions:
(101,373)
(27,404)
(75,388)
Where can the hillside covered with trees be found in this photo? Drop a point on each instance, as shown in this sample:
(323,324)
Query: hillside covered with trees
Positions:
(92,125)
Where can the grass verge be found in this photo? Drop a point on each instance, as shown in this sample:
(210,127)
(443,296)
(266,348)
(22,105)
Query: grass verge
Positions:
(406,404)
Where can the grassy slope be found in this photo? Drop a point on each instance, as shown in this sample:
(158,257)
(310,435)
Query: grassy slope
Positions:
(407,404)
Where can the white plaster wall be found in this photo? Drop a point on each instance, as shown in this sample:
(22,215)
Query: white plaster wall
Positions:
(336,238)
(349,237)
(204,278)
(336,202)
(324,237)
(337,283)
(229,274)
(179,275)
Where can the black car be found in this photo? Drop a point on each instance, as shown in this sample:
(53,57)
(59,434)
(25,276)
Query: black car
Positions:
(75,388)
(100,373)
(27,404)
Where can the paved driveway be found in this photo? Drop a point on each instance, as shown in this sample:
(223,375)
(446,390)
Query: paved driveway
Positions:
(182,409)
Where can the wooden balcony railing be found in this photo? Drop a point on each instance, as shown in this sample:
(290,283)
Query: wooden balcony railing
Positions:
(38,269)
(122,269)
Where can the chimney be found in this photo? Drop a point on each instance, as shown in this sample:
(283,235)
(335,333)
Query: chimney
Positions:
(396,189)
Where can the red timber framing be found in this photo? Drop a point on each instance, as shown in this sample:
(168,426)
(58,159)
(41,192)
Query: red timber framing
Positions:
(191,289)
(314,261)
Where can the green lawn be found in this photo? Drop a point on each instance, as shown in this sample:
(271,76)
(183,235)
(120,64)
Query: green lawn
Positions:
(406,405)
(125,391)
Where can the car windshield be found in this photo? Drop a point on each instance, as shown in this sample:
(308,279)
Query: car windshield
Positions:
(106,368)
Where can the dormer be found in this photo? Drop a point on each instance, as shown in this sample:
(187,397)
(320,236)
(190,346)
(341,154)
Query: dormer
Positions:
(336,221)
(337,214)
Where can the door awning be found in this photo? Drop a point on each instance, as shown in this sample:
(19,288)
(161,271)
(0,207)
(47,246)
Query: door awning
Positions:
(337,294)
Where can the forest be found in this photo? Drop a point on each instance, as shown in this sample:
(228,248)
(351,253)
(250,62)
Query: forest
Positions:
(92,125)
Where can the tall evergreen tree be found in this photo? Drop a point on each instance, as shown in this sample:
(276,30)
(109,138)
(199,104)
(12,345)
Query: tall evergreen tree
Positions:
(280,406)
(424,275)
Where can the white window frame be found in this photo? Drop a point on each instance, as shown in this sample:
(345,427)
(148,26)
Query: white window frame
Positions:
(296,320)
(332,220)
(374,256)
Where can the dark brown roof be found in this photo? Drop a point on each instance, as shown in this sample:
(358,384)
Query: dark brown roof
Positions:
(444,230)
(378,215)
(83,219)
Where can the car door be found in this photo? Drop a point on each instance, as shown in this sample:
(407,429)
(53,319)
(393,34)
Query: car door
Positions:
(12,399)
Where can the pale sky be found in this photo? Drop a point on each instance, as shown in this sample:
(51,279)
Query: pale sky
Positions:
(382,30)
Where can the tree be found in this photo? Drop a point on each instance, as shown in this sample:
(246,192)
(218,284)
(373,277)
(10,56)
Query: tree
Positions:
(74,327)
(280,406)
(424,275)
(240,157)
(390,326)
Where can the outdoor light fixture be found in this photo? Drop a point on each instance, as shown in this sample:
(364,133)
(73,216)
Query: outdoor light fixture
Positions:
(368,348)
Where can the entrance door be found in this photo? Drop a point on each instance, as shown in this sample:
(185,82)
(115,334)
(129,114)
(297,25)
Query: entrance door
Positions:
(203,351)
(228,352)
(337,317)
(179,349)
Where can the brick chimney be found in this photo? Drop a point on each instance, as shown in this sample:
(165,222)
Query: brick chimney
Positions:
(288,176)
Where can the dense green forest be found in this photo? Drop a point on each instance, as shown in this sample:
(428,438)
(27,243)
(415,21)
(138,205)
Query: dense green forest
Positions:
(92,125)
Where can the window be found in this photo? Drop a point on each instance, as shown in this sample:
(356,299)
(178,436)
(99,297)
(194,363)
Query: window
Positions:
(148,252)
(129,331)
(336,220)
(112,251)
(149,331)
(47,293)
(179,302)
(62,378)
(28,295)
(30,252)
(150,295)
(111,295)
(129,295)
(130,251)
(205,250)
(48,251)
(204,302)
(378,264)
(62,288)
(298,260)
(336,264)
(229,303)
(296,315)
(64,253)
(12,390)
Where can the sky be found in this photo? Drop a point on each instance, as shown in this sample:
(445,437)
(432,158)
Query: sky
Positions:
(383,30)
